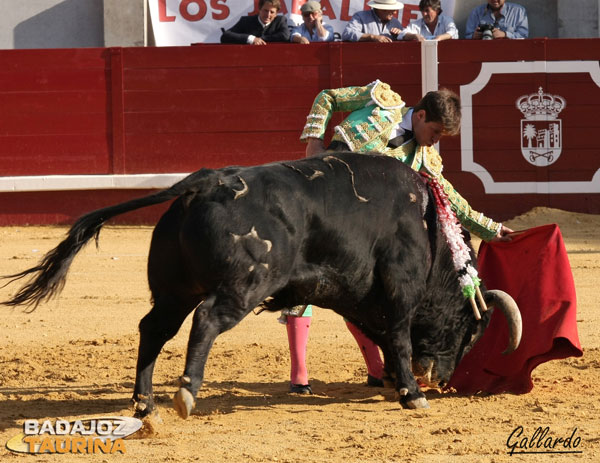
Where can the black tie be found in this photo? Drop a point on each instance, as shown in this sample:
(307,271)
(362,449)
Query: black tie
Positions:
(400,139)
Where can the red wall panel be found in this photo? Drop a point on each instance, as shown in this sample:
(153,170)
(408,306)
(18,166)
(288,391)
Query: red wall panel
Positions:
(59,154)
(55,112)
(214,105)
(176,109)
(495,123)
(167,110)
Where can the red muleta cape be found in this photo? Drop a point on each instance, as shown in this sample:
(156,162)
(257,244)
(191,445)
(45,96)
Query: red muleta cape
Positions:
(534,269)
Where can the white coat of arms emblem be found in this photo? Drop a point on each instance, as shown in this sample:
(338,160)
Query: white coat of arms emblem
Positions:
(541,130)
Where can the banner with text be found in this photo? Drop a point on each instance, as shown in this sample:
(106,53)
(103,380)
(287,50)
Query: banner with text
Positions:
(183,22)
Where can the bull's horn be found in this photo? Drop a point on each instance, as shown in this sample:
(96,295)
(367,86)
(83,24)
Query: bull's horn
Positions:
(509,308)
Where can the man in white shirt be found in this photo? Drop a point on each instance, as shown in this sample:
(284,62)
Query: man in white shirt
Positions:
(433,25)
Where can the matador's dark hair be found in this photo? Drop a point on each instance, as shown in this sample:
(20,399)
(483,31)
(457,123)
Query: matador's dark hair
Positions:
(442,106)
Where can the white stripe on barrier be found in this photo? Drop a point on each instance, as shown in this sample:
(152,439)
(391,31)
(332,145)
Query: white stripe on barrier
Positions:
(88,182)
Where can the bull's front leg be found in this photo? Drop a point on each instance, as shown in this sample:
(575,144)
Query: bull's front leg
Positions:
(407,387)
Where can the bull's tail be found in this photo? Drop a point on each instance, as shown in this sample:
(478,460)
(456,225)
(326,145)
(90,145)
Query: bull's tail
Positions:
(49,276)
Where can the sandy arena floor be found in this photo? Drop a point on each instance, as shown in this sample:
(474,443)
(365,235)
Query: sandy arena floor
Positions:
(75,358)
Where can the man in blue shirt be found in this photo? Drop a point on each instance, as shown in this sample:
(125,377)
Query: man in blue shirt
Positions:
(508,20)
(312,29)
(376,25)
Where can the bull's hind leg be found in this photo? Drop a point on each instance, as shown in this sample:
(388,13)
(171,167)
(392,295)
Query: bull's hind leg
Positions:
(212,318)
(156,328)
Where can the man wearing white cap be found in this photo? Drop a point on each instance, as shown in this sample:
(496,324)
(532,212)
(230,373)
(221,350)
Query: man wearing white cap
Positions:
(312,29)
(376,25)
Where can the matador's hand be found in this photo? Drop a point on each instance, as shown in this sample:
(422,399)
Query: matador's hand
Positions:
(315,146)
(503,235)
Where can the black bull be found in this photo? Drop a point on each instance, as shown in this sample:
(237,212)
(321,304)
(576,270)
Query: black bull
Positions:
(352,232)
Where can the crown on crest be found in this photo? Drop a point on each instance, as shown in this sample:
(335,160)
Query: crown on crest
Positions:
(540,105)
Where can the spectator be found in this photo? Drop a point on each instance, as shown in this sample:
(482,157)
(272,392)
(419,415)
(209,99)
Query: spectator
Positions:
(313,29)
(507,20)
(433,25)
(375,25)
(259,29)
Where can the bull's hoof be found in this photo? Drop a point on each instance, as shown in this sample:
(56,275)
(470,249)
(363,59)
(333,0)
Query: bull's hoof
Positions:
(140,414)
(184,402)
(420,402)
(142,407)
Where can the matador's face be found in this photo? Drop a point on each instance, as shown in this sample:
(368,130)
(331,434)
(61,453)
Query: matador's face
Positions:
(426,133)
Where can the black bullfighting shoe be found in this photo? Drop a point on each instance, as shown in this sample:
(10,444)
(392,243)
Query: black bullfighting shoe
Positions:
(300,389)
(374,382)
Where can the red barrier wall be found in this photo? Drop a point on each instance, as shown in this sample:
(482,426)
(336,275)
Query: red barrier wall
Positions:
(177,109)
(526,66)
(166,110)
(214,105)
(55,115)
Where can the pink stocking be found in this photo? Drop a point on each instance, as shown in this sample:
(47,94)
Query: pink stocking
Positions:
(370,351)
(297,330)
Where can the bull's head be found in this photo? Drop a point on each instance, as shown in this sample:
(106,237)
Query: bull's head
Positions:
(440,342)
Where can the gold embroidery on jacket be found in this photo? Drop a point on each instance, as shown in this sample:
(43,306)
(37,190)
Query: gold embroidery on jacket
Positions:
(385,97)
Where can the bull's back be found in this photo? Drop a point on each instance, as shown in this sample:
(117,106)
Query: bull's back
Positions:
(339,211)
